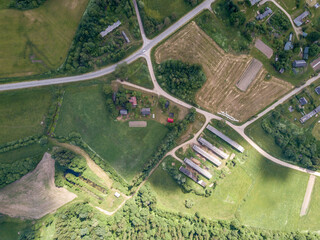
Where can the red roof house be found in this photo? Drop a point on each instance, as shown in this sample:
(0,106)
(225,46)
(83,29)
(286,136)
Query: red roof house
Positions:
(133,101)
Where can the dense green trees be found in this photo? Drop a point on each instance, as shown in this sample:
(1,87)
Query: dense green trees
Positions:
(181,79)
(26,4)
(280,21)
(284,60)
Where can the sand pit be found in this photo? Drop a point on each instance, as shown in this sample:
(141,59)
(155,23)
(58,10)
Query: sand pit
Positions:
(249,75)
(35,194)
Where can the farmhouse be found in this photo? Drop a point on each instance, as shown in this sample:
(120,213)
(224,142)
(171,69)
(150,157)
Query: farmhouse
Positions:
(208,156)
(299,20)
(266,13)
(310,115)
(316,64)
(317,90)
(306,53)
(110,28)
(225,138)
(193,177)
(200,170)
(145,111)
(125,36)
(253,2)
(303,101)
(123,112)
(299,63)
(214,149)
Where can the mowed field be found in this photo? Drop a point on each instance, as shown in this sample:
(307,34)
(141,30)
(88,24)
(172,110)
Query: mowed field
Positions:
(256,191)
(126,149)
(22,113)
(223,71)
(45,33)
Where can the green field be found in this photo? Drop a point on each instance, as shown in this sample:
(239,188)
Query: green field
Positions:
(127,149)
(21,113)
(138,73)
(45,33)
(9,227)
(256,191)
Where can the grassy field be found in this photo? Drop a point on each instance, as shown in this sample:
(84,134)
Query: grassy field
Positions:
(45,33)
(9,227)
(138,73)
(127,149)
(256,191)
(21,113)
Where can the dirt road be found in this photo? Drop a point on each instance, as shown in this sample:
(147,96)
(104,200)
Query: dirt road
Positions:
(307,196)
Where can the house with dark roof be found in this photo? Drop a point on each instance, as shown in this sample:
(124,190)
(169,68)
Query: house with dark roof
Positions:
(123,112)
(299,63)
(289,46)
(145,111)
(303,101)
(317,90)
(299,20)
(306,53)
(266,13)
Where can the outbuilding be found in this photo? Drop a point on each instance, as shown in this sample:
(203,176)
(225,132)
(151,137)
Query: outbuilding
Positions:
(170,120)
(299,64)
(145,111)
(123,112)
(306,53)
(317,90)
(303,101)
(299,20)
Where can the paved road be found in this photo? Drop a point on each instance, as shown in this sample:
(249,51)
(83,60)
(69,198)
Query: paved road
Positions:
(307,196)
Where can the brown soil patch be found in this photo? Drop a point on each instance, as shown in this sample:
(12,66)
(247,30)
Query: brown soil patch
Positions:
(35,194)
(223,70)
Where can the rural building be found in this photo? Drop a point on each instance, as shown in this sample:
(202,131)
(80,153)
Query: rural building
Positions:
(299,63)
(288,46)
(310,115)
(145,111)
(193,177)
(133,101)
(317,90)
(299,20)
(303,101)
(311,3)
(316,64)
(137,124)
(208,156)
(200,170)
(170,120)
(117,195)
(225,138)
(306,53)
(266,13)
(253,2)
(125,36)
(110,28)
(123,112)
(214,149)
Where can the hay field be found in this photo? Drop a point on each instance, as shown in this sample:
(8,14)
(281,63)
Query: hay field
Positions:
(223,71)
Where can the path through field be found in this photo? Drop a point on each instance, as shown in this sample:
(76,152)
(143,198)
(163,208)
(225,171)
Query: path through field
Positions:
(35,194)
(307,196)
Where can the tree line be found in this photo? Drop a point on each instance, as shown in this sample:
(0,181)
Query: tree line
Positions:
(25,4)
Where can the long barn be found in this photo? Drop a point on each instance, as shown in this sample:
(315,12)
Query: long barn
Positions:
(206,155)
(225,138)
(200,170)
(193,177)
(214,149)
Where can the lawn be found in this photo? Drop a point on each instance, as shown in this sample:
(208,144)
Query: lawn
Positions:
(45,33)
(126,149)
(138,73)
(256,191)
(22,112)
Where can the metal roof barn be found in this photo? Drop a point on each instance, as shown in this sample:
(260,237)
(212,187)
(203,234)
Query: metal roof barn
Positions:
(214,149)
(200,170)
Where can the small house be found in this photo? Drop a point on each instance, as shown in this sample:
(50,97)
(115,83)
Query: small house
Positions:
(288,46)
(281,70)
(306,53)
(125,37)
(303,101)
(171,115)
(266,13)
(145,111)
(133,101)
(299,20)
(317,90)
(299,63)
(123,112)
(170,120)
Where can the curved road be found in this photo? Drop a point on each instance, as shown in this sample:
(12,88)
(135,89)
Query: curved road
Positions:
(145,52)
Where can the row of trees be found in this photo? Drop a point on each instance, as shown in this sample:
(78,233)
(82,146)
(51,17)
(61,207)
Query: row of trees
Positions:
(296,146)
(140,219)
(181,79)
(25,4)
(23,143)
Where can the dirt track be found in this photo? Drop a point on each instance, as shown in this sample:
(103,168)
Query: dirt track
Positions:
(223,70)
(35,194)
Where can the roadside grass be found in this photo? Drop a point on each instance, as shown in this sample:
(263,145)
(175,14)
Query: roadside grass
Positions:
(21,113)
(250,191)
(138,73)
(126,149)
(45,32)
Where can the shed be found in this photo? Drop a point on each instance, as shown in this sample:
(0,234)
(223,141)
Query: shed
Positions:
(299,63)
(171,115)
(281,70)
(299,20)
(145,111)
(117,195)
(303,101)
(288,46)
(170,120)
(317,90)
(167,104)
(123,112)
(306,53)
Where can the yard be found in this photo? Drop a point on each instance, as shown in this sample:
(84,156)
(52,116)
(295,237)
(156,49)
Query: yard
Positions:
(23,113)
(37,40)
(126,149)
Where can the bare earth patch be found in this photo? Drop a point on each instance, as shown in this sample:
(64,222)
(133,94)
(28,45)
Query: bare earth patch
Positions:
(35,194)
(223,71)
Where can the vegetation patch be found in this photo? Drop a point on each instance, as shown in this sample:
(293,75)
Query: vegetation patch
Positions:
(26,4)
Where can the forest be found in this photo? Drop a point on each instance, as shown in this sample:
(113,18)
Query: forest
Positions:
(26,4)
(140,219)
(296,146)
(181,79)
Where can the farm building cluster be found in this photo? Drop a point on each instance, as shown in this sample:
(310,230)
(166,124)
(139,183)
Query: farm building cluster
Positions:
(210,153)
(112,27)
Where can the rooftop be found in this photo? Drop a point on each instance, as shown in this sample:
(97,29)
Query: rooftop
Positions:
(110,28)
(299,63)
(317,90)
(299,20)
(303,101)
